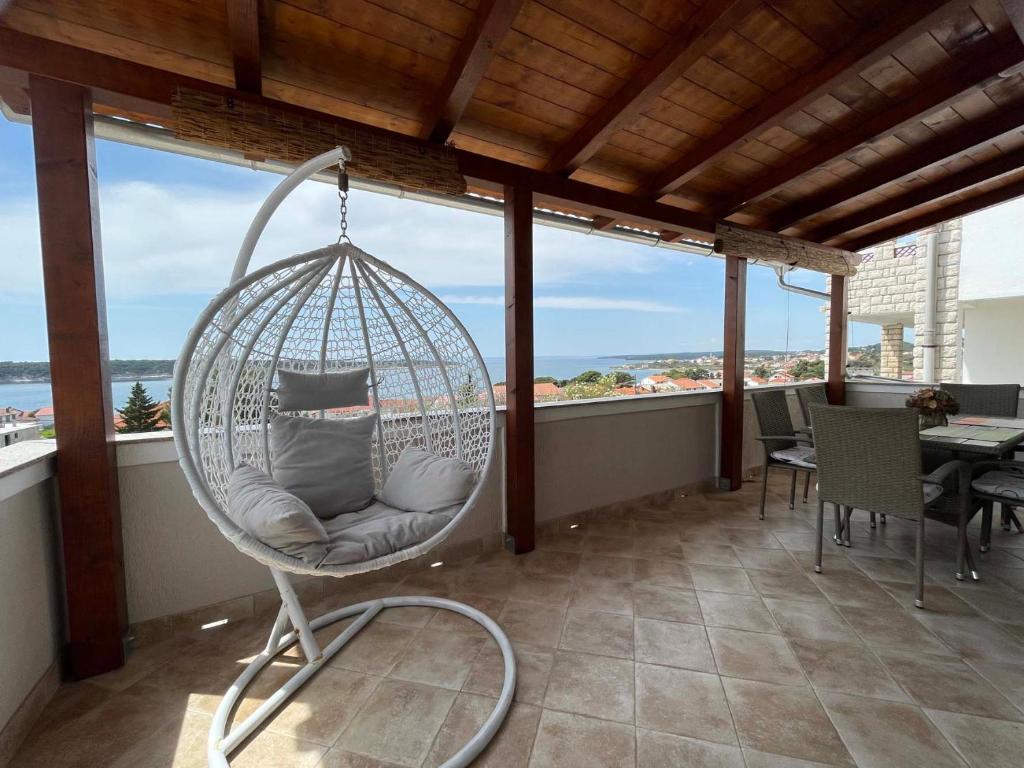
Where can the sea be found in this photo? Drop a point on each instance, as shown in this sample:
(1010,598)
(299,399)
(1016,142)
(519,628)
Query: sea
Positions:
(33,395)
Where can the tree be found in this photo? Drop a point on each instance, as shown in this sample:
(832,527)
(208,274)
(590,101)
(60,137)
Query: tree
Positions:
(588,377)
(604,386)
(623,379)
(696,373)
(140,413)
(805,369)
(762,372)
(545,380)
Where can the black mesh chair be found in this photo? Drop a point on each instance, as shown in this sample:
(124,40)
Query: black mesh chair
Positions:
(870,459)
(990,400)
(784,447)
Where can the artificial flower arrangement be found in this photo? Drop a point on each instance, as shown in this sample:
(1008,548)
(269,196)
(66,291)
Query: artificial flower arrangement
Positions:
(933,406)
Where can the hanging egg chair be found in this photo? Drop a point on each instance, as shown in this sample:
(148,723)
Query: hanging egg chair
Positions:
(332,417)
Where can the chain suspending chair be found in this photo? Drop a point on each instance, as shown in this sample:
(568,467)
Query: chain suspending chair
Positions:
(332,311)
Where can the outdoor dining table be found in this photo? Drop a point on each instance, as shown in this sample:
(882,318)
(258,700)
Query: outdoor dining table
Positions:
(980,435)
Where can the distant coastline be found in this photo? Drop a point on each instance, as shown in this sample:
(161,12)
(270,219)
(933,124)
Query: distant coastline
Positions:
(38,371)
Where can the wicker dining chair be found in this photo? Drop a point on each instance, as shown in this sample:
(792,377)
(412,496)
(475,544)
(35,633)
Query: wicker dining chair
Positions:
(990,400)
(996,482)
(814,394)
(784,447)
(870,459)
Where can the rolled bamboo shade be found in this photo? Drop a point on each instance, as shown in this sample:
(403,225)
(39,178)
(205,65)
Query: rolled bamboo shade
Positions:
(759,245)
(260,131)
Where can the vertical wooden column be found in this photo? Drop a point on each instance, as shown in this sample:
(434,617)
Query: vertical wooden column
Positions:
(731,471)
(90,511)
(837,341)
(520,490)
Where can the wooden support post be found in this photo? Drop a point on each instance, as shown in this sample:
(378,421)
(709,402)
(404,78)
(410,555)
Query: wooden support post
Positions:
(837,341)
(90,511)
(731,469)
(520,495)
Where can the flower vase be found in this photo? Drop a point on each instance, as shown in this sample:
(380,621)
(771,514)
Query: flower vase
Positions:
(928,419)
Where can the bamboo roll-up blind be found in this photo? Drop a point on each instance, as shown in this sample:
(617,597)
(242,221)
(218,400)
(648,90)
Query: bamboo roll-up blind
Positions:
(759,245)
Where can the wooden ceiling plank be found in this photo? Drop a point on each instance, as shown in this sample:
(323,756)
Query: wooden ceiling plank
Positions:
(912,161)
(959,207)
(244,30)
(909,21)
(603,223)
(492,22)
(945,90)
(948,185)
(1014,10)
(699,34)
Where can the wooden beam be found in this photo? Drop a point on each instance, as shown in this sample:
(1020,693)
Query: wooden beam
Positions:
(972,134)
(669,236)
(90,513)
(603,223)
(118,82)
(902,23)
(955,182)
(244,31)
(698,35)
(837,325)
(731,460)
(979,70)
(1014,10)
(489,27)
(951,211)
(520,487)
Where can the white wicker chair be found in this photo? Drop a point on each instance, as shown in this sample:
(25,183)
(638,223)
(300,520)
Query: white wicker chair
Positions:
(326,311)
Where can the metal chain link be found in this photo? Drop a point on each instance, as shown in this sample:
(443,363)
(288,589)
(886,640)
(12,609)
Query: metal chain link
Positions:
(343,204)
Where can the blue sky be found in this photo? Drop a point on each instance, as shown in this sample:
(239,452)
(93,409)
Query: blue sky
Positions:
(171,225)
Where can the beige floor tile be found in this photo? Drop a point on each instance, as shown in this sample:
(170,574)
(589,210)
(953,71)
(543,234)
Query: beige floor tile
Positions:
(438,658)
(713,578)
(946,682)
(180,743)
(999,604)
(613,546)
(550,563)
(815,621)
(399,722)
(888,569)
(974,638)
(596,686)
(571,741)
(845,668)
(778,560)
(416,616)
(683,702)
(659,546)
(891,629)
(674,644)
(937,600)
(665,750)
(450,621)
(884,734)
(784,720)
(666,603)
(788,586)
(852,589)
(533,667)
(757,759)
(1006,676)
(755,656)
(711,554)
(272,749)
(602,595)
(604,634)
(662,573)
(495,583)
(339,758)
(375,649)
(510,748)
(542,589)
(321,709)
(982,741)
(736,612)
(533,623)
(596,566)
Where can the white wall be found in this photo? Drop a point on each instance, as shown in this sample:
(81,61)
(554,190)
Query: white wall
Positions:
(993,334)
(30,593)
(990,263)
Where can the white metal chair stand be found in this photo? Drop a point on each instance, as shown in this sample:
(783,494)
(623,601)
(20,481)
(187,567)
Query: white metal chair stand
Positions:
(330,310)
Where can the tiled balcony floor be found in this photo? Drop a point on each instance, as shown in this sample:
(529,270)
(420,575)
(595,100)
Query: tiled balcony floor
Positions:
(688,636)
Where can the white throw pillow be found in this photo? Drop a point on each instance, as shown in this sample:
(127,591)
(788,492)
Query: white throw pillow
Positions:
(325,462)
(301,391)
(421,481)
(265,510)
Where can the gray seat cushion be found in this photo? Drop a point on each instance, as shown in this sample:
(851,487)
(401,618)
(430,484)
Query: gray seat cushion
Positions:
(1006,483)
(932,491)
(421,481)
(265,510)
(798,455)
(301,391)
(325,462)
(380,530)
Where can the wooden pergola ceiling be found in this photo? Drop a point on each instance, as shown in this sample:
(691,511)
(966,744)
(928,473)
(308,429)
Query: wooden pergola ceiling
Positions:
(840,121)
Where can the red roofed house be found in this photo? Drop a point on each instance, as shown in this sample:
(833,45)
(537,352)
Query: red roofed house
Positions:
(687,385)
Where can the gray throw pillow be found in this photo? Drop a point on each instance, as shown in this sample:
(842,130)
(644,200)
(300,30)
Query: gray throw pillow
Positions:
(265,510)
(301,391)
(325,462)
(421,481)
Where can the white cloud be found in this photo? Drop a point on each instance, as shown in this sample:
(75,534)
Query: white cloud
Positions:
(179,239)
(573,302)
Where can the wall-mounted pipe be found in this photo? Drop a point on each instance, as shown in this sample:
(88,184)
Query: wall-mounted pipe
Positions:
(927,337)
(821,295)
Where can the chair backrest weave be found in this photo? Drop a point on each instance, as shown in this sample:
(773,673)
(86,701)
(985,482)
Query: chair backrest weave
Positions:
(815,394)
(985,399)
(773,418)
